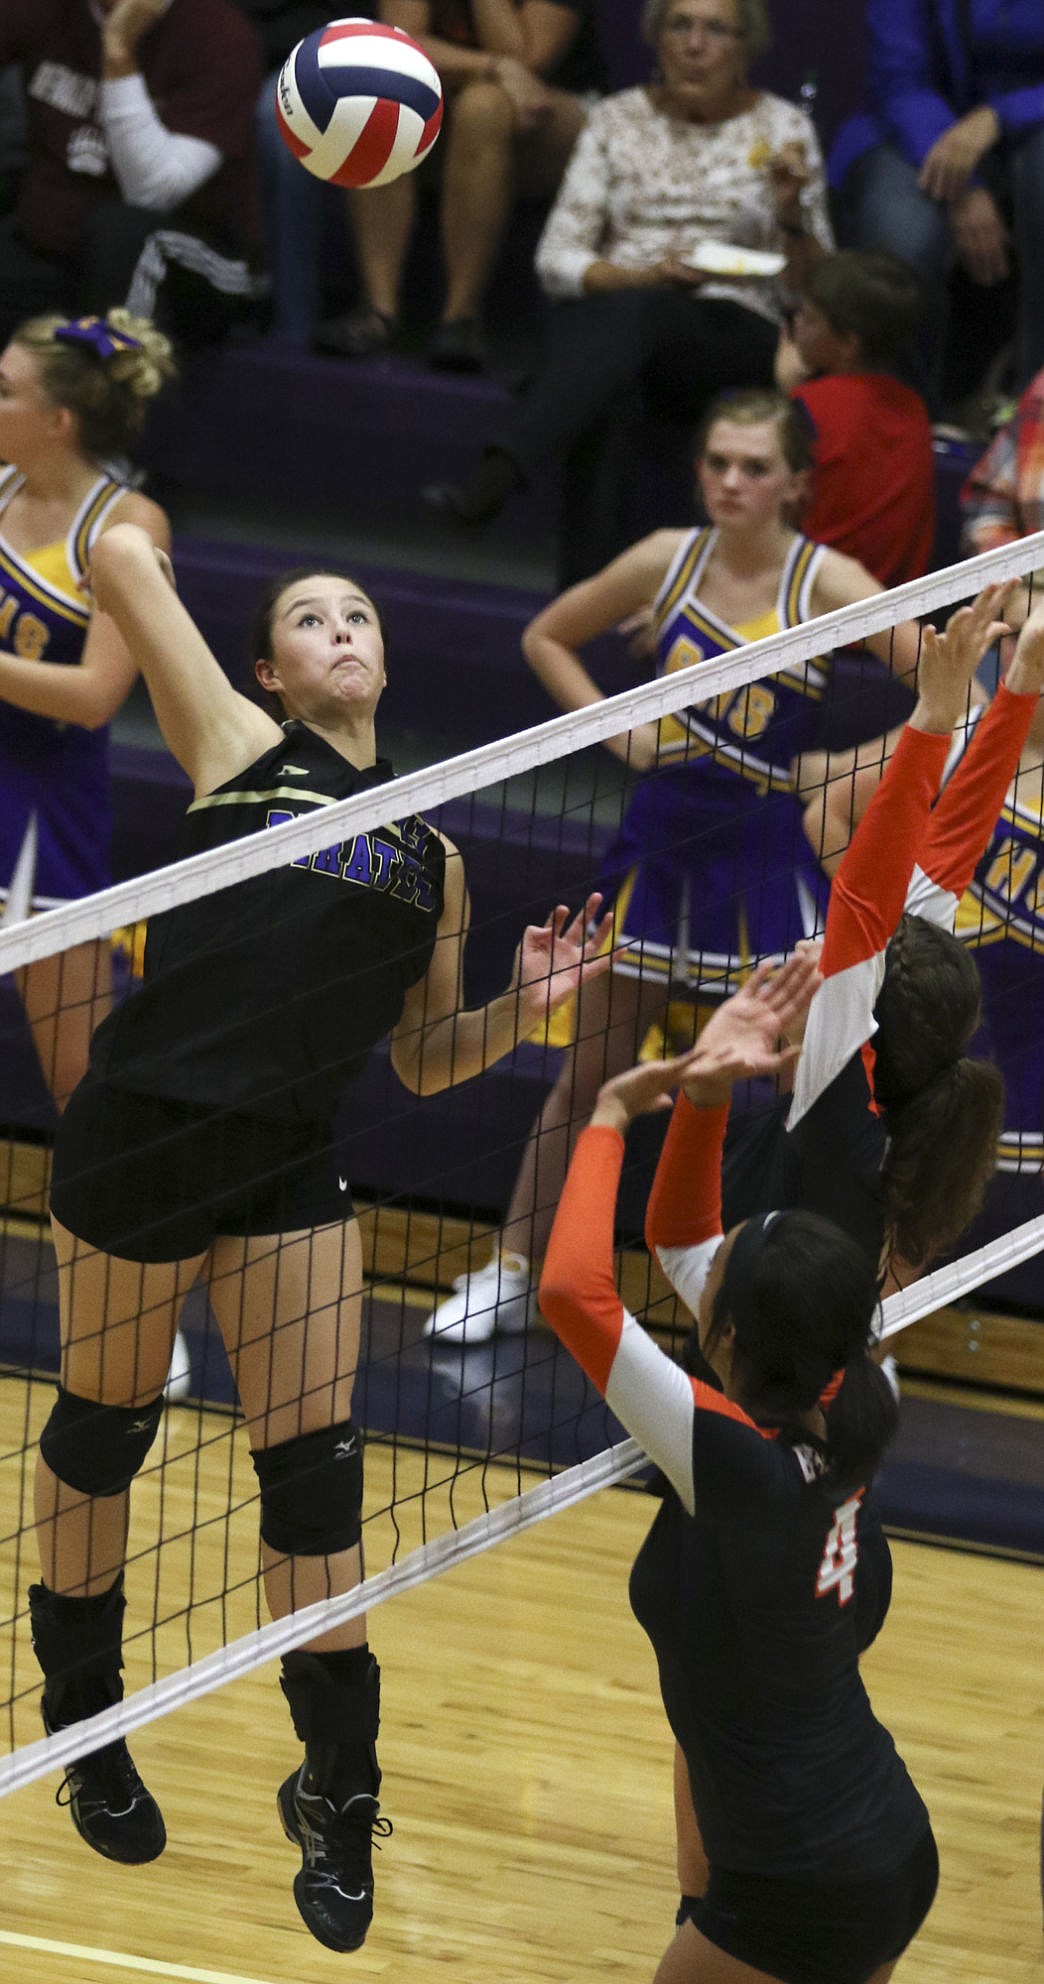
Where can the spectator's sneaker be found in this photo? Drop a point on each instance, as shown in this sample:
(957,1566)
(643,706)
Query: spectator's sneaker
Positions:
(500,1297)
(334,1889)
(110,1806)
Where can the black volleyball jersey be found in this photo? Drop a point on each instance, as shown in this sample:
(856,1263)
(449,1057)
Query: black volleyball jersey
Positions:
(267,996)
(760,1581)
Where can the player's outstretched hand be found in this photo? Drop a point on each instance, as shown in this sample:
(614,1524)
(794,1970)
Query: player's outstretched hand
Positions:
(949,660)
(748,1035)
(642,1090)
(744,1038)
(1025,677)
(556,957)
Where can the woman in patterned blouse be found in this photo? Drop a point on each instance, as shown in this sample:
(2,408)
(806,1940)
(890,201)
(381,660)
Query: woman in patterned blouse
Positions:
(664,181)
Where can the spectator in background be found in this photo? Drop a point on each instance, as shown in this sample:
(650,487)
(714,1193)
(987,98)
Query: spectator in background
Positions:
(699,159)
(292,200)
(1003,497)
(139,182)
(517,75)
(948,165)
(872,491)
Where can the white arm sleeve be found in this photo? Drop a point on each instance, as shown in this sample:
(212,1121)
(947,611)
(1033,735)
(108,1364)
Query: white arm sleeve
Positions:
(653,1398)
(154,168)
(687,1269)
(575,227)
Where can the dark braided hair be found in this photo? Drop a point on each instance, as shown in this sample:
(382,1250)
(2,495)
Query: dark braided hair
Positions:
(942,1110)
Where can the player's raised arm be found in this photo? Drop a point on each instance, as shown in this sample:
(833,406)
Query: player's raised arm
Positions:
(211,729)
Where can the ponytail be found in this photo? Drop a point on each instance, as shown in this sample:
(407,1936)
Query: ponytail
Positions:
(942,1110)
(941,1156)
(862,1420)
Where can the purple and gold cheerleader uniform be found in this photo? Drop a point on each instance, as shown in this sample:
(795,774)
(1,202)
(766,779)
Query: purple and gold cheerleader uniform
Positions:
(57,773)
(711,867)
(1001,918)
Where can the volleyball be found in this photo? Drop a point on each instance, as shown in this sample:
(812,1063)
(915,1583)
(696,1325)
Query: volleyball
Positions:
(359,103)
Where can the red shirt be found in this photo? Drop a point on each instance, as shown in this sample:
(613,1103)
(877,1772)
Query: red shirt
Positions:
(873,490)
(201,65)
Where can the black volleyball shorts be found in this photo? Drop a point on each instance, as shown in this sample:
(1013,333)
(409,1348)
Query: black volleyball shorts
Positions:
(819,1932)
(151,1179)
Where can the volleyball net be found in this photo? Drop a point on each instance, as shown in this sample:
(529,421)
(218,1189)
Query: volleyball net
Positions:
(466,1442)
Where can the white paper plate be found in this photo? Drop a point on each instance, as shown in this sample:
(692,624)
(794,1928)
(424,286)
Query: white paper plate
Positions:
(723,258)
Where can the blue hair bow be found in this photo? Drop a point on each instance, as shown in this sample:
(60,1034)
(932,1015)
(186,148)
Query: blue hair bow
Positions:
(102,337)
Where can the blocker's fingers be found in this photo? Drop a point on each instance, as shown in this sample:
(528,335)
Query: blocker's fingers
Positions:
(760,977)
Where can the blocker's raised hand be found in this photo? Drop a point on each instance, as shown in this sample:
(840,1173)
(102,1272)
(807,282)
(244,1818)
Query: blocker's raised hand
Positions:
(742,1039)
(949,660)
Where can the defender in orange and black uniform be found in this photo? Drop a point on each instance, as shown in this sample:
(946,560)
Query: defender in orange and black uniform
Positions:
(764,1574)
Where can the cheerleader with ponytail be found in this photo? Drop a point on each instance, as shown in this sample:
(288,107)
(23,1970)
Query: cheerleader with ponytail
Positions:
(74,393)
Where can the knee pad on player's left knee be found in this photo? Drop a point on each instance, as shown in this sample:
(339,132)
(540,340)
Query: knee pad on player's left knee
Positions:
(311,1492)
(98,1449)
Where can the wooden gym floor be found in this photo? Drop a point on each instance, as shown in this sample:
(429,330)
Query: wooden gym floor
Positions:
(526,1760)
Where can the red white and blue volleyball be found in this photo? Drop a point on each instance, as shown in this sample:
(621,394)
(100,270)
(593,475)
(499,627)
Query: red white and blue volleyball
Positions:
(359,103)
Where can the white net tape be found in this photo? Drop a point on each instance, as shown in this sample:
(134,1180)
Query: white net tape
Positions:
(548,1498)
(424,791)
(472,771)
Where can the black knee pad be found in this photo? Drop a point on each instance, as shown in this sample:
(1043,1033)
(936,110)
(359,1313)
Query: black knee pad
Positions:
(311,1492)
(98,1449)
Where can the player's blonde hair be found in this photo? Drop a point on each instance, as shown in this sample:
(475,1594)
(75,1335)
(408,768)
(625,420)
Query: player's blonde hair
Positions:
(109,394)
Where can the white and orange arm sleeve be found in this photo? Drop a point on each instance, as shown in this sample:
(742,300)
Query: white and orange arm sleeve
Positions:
(968,808)
(650,1395)
(867,899)
(683,1217)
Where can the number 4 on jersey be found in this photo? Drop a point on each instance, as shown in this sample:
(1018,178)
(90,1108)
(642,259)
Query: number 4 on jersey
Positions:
(837,1570)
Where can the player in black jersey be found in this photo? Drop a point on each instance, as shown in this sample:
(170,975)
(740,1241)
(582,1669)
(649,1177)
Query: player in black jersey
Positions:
(891,1131)
(764,1574)
(199,1144)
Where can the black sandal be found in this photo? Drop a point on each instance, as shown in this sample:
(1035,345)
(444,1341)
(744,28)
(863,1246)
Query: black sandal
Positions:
(360,333)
